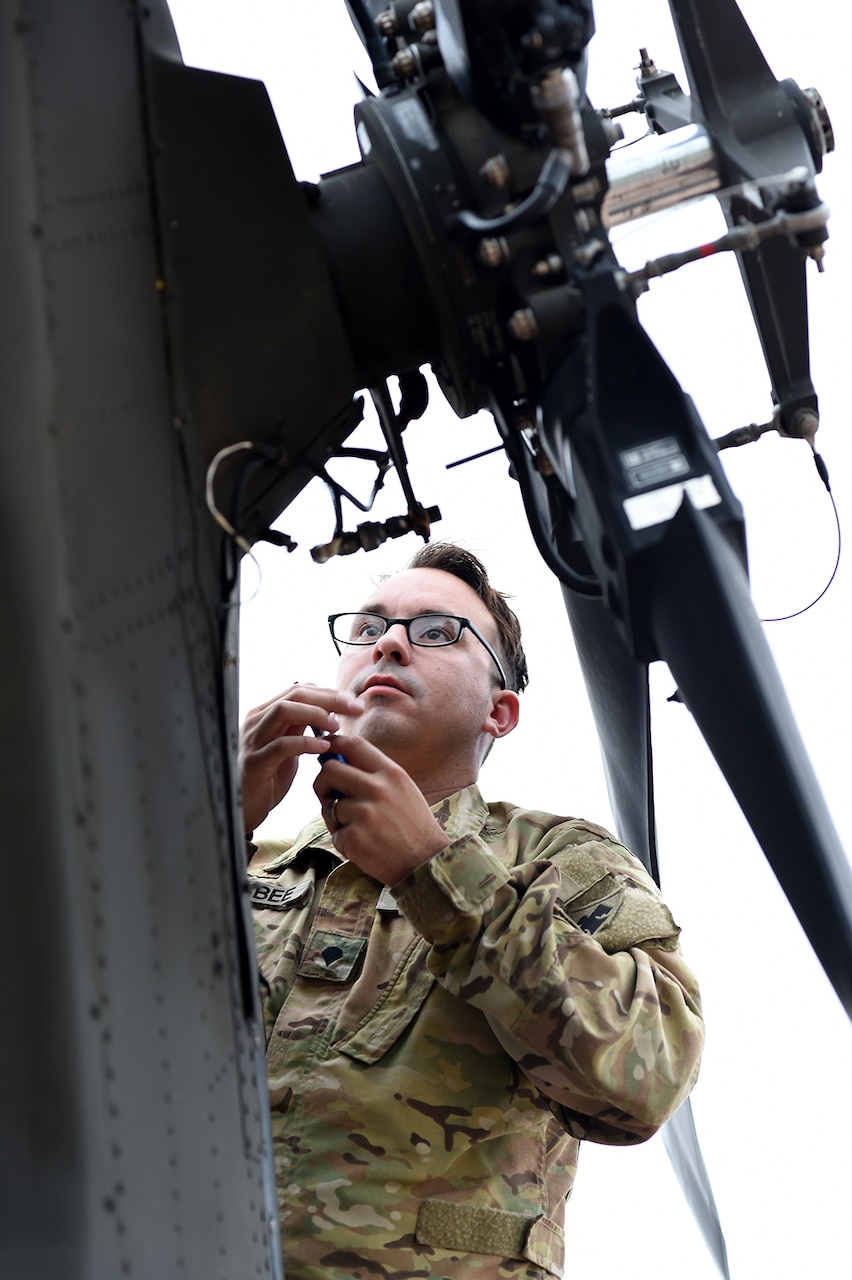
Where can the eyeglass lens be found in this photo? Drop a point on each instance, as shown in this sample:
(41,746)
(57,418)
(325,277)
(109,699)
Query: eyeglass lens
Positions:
(429,629)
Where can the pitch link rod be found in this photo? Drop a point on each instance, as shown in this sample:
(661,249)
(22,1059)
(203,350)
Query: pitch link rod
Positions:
(747,236)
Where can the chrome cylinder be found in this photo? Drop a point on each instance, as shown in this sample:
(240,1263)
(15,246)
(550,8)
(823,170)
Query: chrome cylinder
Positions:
(658,172)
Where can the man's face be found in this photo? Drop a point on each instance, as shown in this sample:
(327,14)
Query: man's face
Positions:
(422,702)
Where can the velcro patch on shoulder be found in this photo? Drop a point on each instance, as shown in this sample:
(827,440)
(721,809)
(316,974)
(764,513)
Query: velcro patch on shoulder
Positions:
(620,911)
(642,917)
(580,867)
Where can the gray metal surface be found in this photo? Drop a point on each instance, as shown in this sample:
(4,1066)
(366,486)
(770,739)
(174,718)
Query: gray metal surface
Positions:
(132,1100)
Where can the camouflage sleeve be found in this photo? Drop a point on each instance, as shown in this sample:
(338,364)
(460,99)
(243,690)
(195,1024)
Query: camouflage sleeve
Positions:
(573,958)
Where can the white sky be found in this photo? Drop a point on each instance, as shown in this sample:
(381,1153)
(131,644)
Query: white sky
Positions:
(772,1105)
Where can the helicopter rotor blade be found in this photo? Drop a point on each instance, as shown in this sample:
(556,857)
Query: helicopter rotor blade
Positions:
(710,635)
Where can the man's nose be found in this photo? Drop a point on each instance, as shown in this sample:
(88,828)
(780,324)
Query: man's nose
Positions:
(393,644)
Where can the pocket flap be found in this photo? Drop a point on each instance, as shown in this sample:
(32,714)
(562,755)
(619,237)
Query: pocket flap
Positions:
(395,1011)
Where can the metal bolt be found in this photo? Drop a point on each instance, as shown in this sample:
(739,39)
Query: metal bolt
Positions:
(550,266)
(635,284)
(387,24)
(532,39)
(493,251)
(804,425)
(423,16)
(821,126)
(586,253)
(523,325)
(587,191)
(495,171)
(404,64)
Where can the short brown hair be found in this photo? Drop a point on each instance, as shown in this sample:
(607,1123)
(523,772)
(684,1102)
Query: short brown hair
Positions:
(464,564)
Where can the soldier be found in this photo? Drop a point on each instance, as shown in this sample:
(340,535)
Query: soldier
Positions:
(455,992)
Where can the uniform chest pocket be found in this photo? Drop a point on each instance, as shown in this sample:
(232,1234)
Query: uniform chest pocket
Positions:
(392,1014)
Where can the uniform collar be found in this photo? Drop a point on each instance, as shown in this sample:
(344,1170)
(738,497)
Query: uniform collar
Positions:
(464,813)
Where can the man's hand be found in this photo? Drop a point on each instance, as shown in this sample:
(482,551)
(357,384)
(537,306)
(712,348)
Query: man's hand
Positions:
(381,820)
(274,736)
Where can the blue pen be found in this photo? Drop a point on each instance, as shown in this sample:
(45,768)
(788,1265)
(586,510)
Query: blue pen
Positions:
(326,756)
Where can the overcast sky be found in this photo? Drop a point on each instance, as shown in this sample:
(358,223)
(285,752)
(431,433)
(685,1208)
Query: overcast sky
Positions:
(772,1104)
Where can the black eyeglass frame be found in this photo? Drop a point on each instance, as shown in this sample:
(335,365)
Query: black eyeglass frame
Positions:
(406,622)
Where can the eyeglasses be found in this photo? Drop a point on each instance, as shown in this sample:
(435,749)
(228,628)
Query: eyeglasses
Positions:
(428,630)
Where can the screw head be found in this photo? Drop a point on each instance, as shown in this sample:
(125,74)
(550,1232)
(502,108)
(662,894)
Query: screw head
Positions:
(522,324)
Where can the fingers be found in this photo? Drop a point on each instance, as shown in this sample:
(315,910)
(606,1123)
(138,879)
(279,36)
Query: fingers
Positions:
(273,737)
(285,747)
(377,815)
(364,776)
(334,821)
(362,754)
(355,768)
(292,711)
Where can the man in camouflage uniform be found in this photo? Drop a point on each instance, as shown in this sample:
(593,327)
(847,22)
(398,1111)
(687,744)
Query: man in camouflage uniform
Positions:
(455,992)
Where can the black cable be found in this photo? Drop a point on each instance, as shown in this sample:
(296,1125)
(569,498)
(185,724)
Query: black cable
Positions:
(551,183)
(822,472)
(373,43)
(522,462)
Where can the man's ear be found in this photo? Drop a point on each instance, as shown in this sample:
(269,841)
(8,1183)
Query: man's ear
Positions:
(504,713)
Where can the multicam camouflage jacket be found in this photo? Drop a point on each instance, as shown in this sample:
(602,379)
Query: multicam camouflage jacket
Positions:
(435,1053)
